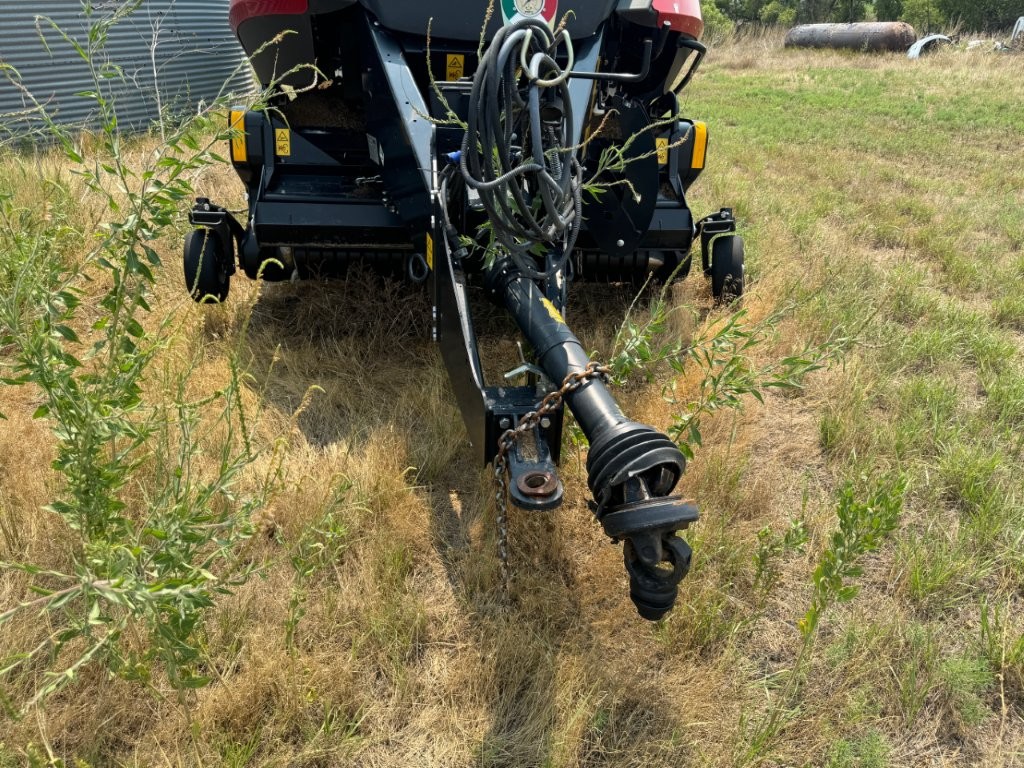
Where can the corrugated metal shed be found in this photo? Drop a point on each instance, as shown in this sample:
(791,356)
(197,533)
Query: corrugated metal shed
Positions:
(188,43)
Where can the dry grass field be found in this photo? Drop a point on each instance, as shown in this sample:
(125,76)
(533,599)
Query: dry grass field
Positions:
(883,204)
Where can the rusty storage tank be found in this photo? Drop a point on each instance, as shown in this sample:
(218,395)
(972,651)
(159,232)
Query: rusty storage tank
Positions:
(863,36)
(174,54)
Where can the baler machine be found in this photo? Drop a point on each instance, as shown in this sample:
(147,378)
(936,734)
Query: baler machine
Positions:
(510,152)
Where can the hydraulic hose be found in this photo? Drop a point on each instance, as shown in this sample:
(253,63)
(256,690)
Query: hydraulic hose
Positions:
(517,152)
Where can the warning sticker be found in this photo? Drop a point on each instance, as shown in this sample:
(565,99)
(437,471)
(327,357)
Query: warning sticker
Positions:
(662,144)
(283,142)
(456,66)
(553,311)
(430,252)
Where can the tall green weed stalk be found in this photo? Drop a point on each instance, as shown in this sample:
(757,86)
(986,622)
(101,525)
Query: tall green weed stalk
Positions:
(864,524)
(723,356)
(149,491)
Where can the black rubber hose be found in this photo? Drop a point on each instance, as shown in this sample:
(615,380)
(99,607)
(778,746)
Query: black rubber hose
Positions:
(529,181)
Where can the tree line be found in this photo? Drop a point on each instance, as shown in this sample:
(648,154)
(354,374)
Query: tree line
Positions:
(924,15)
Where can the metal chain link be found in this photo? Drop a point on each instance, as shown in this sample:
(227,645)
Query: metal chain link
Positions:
(507,441)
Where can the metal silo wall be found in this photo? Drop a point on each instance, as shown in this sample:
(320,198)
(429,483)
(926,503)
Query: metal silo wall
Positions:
(196,56)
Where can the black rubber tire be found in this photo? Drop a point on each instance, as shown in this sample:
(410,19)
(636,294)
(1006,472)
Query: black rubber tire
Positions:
(727,276)
(205,277)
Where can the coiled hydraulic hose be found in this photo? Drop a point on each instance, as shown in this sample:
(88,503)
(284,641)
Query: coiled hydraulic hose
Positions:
(516,151)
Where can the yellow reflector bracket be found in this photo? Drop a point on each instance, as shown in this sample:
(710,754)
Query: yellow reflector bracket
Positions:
(239,153)
(700,145)
(430,252)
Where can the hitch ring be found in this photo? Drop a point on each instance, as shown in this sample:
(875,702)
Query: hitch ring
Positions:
(537,484)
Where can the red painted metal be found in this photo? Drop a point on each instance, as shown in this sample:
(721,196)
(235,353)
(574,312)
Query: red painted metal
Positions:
(683,15)
(243,10)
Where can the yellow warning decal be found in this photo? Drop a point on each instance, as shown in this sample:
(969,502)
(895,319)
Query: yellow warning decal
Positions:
(239,152)
(700,145)
(553,311)
(662,144)
(456,66)
(430,252)
(282,142)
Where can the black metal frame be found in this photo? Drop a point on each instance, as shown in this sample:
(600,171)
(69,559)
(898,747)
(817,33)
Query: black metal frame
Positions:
(720,223)
(225,226)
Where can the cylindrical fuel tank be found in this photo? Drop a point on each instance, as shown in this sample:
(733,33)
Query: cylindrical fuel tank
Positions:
(864,36)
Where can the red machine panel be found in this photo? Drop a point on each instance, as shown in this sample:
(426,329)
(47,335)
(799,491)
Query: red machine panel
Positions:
(243,10)
(683,15)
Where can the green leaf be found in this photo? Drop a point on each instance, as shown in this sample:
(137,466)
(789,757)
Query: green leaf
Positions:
(196,681)
(845,594)
(134,328)
(695,436)
(67,333)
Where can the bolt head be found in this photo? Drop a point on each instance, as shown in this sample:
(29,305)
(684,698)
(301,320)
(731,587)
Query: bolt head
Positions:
(505,423)
(545,423)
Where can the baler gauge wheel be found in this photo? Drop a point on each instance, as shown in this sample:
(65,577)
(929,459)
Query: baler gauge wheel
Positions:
(727,276)
(206,277)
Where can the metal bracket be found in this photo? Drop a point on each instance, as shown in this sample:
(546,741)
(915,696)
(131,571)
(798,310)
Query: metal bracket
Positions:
(534,482)
(710,227)
(223,224)
(488,412)
(650,46)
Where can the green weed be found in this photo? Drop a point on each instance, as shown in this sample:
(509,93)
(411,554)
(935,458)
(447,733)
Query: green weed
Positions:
(869,751)
(319,546)
(917,672)
(1001,645)
(771,546)
(863,526)
(938,573)
(966,681)
(728,375)
(157,514)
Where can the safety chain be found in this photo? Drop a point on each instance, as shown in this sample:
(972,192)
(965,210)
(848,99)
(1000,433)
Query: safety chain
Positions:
(507,441)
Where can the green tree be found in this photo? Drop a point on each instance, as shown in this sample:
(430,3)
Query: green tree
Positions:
(740,10)
(849,10)
(717,25)
(778,12)
(814,11)
(981,15)
(888,10)
(923,15)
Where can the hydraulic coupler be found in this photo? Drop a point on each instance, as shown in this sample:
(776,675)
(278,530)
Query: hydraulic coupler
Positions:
(632,468)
